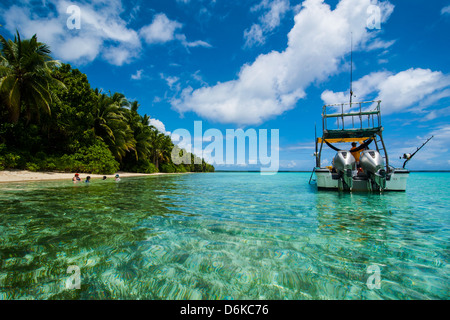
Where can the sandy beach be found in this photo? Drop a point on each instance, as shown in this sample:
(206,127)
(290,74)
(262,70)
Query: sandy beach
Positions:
(24,175)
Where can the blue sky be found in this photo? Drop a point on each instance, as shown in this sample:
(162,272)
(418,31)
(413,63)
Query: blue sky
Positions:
(262,64)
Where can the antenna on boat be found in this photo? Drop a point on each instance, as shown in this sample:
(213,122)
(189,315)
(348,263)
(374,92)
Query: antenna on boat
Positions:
(351,68)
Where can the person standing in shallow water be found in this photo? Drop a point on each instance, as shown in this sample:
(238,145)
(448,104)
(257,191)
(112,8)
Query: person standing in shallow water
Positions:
(76,178)
(88,179)
(117,178)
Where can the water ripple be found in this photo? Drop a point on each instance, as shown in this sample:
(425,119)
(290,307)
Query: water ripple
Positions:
(223,236)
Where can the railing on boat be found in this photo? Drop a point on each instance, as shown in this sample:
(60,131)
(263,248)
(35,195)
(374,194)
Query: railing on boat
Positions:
(346,112)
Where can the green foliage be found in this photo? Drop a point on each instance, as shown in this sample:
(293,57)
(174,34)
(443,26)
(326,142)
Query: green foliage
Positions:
(145,166)
(10,159)
(168,168)
(49,164)
(180,169)
(51,119)
(208,168)
(32,166)
(93,159)
(26,79)
(71,124)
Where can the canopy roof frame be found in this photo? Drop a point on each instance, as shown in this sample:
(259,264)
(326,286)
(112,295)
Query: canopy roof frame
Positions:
(341,134)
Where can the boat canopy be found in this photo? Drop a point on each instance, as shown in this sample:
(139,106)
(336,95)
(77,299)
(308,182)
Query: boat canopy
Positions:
(343,140)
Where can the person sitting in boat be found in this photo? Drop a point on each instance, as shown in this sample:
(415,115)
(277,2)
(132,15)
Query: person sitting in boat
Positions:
(355,153)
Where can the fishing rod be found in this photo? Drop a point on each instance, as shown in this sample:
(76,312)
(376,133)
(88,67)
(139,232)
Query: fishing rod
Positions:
(316,155)
(408,156)
(315,142)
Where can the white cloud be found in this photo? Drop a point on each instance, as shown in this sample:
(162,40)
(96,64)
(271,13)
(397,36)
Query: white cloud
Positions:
(76,49)
(274,12)
(118,55)
(299,146)
(277,9)
(192,44)
(157,99)
(275,81)
(441,140)
(137,75)
(158,125)
(408,88)
(361,88)
(102,32)
(254,36)
(289,164)
(434,155)
(445,10)
(170,80)
(433,114)
(380,44)
(161,30)
(197,77)
(412,90)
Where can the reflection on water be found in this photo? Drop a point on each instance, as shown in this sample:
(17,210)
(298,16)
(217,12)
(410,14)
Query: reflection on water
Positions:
(222,236)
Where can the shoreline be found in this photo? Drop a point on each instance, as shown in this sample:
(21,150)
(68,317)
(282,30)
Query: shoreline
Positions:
(28,176)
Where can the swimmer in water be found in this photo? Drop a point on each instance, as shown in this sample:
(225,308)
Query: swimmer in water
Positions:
(76,178)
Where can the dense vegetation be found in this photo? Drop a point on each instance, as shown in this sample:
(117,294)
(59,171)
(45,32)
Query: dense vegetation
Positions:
(51,119)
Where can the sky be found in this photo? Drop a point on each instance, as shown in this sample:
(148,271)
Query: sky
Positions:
(260,65)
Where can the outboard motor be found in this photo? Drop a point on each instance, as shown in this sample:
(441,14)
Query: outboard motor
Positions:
(345,163)
(373,164)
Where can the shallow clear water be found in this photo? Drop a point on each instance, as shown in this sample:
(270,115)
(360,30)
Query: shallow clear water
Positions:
(223,236)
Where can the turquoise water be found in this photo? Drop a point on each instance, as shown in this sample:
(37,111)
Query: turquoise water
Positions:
(223,236)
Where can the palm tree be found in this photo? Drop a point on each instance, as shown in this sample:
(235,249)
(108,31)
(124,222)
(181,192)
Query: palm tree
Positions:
(162,148)
(157,139)
(167,147)
(111,124)
(134,106)
(143,137)
(124,140)
(102,113)
(119,100)
(25,78)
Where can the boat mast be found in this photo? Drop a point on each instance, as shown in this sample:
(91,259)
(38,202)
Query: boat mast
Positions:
(351,68)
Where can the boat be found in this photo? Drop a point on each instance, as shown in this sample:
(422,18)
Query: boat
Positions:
(363,168)
(360,168)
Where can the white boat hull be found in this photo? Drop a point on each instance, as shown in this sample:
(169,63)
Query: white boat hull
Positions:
(396,181)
